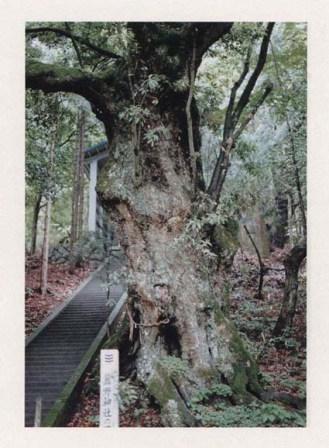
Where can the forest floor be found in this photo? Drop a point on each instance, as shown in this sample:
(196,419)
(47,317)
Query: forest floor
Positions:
(60,285)
(282,361)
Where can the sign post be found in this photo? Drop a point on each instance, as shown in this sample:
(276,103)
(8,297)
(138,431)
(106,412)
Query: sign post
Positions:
(109,389)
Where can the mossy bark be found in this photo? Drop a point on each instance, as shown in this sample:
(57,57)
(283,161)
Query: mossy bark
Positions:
(175,302)
(225,242)
(174,407)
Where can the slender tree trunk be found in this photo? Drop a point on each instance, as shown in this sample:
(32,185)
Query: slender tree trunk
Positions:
(77,192)
(297,179)
(292,152)
(47,221)
(262,268)
(74,213)
(291,218)
(292,264)
(36,211)
(45,249)
(280,236)
(81,172)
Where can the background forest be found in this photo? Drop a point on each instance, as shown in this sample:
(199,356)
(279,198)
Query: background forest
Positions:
(204,189)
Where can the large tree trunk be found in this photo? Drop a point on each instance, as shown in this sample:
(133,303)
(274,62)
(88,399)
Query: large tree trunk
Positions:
(292,264)
(175,305)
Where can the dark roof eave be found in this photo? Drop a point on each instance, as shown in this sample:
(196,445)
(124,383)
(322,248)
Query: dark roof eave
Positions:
(96,149)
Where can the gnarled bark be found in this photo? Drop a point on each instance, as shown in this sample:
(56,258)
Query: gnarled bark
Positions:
(174,300)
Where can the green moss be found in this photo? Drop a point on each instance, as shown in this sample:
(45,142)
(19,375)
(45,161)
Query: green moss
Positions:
(218,314)
(163,389)
(246,363)
(245,372)
(226,239)
(176,367)
(208,374)
(240,381)
(161,386)
(37,68)
(226,293)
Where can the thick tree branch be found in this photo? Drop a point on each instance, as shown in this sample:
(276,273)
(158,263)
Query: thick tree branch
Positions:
(75,45)
(55,78)
(178,40)
(252,113)
(223,161)
(228,125)
(233,114)
(52,78)
(243,101)
(73,37)
(207,34)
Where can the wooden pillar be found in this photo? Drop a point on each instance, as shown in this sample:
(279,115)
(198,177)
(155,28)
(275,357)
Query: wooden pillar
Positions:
(92,196)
